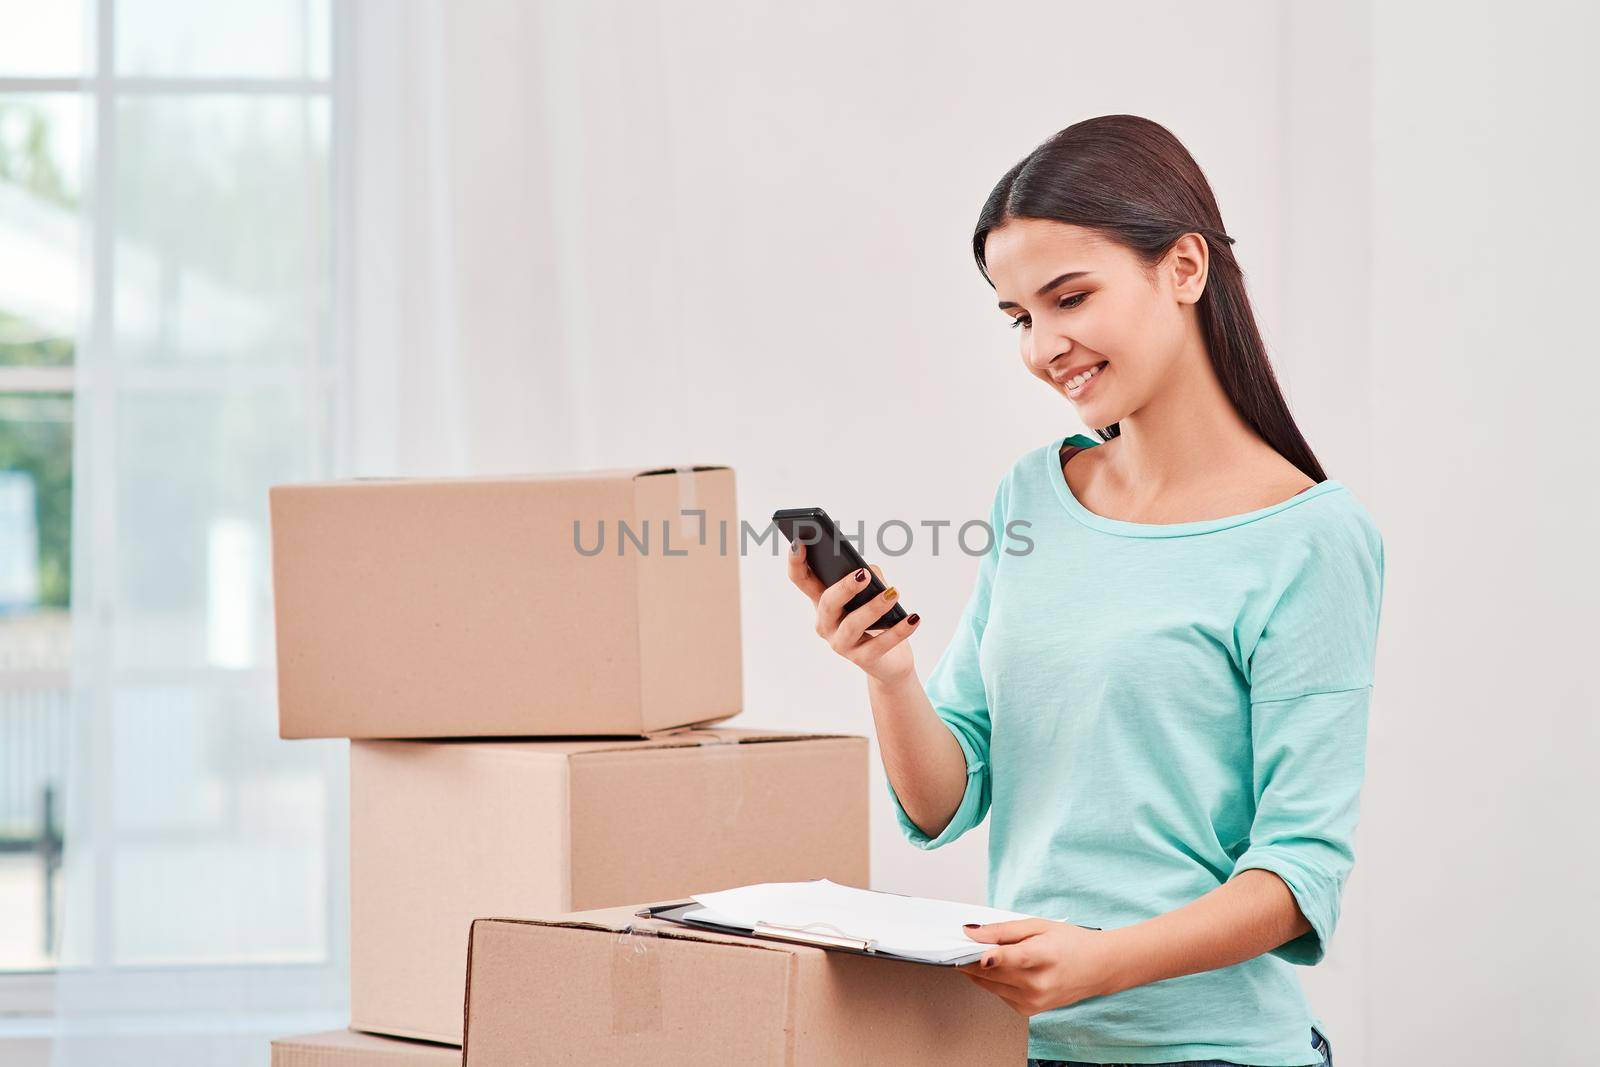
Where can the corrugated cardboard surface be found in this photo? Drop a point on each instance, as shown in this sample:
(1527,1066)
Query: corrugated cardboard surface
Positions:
(443,832)
(347,1048)
(463,608)
(576,989)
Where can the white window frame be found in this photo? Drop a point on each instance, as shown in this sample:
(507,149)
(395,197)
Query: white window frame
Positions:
(297,996)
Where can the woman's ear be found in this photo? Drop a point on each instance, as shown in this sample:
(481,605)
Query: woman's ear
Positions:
(1188,262)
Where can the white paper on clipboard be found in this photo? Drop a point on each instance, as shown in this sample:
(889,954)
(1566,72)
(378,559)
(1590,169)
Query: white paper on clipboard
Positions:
(914,927)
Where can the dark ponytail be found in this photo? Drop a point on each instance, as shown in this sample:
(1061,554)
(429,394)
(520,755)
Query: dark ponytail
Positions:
(1131,179)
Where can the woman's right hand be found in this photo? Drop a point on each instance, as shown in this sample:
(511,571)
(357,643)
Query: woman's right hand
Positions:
(885,657)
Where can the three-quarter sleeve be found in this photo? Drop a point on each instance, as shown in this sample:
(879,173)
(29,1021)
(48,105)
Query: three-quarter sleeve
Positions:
(1311,678)
(955,689)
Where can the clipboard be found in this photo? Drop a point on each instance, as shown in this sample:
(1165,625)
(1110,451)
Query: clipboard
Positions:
(835,941)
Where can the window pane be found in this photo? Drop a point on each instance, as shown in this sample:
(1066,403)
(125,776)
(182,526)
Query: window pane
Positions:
(35,635)
(237,39)
(41,190)
(35,514)
(221,844)
(222,229)
(48,39)
(193,558)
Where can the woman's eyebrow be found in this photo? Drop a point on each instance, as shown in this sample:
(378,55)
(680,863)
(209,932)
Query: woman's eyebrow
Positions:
(1043,289)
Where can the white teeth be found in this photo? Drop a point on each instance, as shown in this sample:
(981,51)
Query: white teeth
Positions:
(1076,381)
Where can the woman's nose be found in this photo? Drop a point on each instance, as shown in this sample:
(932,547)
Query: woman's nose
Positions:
(1040,356)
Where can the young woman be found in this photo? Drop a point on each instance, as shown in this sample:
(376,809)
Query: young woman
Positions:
(1159,695)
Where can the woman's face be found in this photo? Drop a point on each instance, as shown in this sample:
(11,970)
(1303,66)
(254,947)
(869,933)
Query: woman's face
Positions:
(1080,301)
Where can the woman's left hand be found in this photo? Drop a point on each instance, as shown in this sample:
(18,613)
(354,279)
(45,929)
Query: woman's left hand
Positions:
(1039,964)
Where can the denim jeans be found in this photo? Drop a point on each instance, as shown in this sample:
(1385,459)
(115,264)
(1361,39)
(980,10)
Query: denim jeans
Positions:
(1319,1044)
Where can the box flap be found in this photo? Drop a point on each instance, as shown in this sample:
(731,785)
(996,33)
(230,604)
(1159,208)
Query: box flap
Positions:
(351,1048)
(689,737)
(601,475)
(681,737)
(624,920)
(675,470)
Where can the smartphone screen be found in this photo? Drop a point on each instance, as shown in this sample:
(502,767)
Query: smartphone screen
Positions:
(831,557)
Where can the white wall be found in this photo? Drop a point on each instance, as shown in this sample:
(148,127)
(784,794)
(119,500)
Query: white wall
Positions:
(1480,868)
(745,231)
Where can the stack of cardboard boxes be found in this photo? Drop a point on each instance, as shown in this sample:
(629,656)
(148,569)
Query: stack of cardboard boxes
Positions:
(535,673)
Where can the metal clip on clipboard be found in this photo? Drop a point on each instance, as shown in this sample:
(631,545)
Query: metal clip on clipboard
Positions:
(806,936)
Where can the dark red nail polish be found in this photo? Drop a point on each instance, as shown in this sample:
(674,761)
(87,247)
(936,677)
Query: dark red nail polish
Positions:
(965,926)
(861,576)
(913,620)
(988,961)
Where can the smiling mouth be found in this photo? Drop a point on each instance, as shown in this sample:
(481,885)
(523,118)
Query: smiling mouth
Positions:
(1078,384)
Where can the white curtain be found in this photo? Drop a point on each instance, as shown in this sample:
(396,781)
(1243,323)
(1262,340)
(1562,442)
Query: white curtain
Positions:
(521,273)
(201,901)
(400,286)
(459,300)
(398,305)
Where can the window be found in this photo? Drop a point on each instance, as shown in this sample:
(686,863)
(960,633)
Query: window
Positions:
(166,354)
(42,202)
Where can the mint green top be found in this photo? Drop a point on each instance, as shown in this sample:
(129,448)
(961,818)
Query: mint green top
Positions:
(1148,709)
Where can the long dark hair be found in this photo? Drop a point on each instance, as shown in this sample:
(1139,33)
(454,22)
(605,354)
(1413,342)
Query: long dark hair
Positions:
(1131,179)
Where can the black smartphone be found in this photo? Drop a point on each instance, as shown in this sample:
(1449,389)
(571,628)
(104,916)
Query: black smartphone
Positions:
(831,557)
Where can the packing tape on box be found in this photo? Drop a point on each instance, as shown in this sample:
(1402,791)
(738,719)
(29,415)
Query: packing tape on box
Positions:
(722,777)
(721,773)
(724,781)
(688,498)
(635,982)
(636,998)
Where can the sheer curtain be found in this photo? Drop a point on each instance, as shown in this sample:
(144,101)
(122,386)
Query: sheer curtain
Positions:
(201,902)
(343,261)
(522,271)
(399,283)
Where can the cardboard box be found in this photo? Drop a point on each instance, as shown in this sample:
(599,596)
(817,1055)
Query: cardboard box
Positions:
(552,605)
(442,832)
(347,1048)
(576,989)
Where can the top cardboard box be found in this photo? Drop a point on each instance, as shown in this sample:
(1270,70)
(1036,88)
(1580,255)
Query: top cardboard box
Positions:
(601,603)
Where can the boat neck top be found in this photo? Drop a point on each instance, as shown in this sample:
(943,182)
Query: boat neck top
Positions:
(1146,710)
